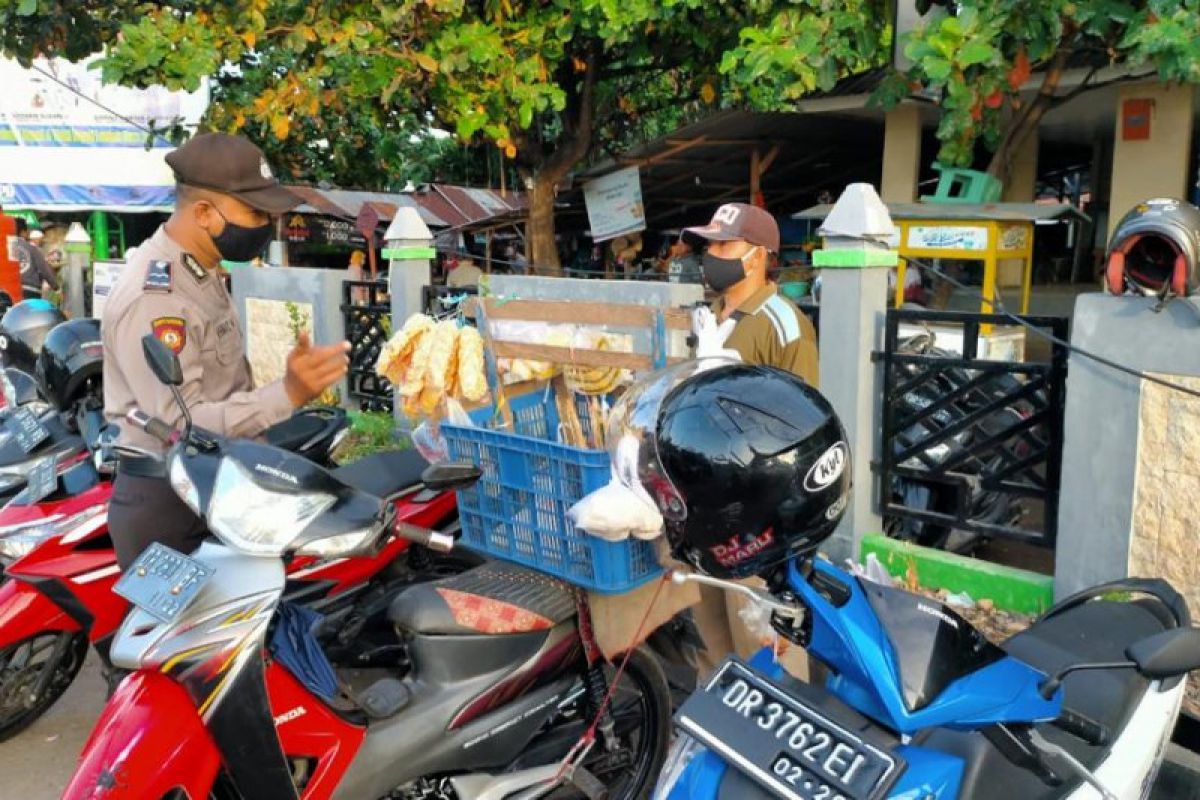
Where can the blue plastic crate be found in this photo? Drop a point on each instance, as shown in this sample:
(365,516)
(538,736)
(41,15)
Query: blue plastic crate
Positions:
(518,509)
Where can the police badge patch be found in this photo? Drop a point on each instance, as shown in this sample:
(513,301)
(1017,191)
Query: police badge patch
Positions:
(171,331)
(158,277)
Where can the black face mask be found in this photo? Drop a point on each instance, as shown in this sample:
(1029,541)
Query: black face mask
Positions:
(239,243)
(721,273)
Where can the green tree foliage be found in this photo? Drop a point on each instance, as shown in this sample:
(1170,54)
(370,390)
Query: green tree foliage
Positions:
(975,57)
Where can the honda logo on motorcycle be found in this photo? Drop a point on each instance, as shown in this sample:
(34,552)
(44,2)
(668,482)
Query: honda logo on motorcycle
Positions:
(288,716)
(829,468)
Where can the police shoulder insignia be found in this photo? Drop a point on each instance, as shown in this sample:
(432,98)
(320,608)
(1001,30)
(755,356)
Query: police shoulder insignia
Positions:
(171,331)
(158,277)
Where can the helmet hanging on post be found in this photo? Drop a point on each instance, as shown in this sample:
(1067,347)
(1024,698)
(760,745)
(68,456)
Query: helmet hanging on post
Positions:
(1155,250)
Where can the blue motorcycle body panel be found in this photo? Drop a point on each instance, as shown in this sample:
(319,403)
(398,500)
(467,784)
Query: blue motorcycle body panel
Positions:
(853,643)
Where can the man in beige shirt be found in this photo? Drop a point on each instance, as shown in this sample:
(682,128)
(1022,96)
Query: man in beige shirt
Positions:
(226,202)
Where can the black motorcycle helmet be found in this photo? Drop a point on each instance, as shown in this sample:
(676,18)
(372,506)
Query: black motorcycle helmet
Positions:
(23,329)
(748,465)
(71,362)
(1155,250)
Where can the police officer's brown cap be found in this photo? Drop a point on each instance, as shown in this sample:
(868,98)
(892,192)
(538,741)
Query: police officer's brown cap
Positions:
(231,165)
(742,221)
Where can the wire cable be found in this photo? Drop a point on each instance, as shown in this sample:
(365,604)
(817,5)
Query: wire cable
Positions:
(998,307)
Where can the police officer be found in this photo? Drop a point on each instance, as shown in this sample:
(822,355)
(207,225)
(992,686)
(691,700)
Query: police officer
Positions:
(34,266)
(770,329)
(226,203)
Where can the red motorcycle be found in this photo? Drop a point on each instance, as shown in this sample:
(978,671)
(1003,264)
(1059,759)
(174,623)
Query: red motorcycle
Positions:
(59,568)
(485,685)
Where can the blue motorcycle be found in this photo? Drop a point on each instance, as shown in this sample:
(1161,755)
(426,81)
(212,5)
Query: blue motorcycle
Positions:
(919,705)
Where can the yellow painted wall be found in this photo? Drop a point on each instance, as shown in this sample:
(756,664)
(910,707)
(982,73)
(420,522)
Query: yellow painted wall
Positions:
(1158,166)
(901,154)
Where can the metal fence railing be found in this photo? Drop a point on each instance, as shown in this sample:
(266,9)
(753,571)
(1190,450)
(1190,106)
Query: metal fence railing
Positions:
(367,313)
(972,447)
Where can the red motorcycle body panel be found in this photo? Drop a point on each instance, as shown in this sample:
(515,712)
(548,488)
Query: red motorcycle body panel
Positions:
(148,742)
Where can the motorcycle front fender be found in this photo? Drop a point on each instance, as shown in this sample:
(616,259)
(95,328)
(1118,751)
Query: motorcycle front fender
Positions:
(148,743)
(25,611)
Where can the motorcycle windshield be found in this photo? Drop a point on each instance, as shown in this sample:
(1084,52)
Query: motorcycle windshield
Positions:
(934,646)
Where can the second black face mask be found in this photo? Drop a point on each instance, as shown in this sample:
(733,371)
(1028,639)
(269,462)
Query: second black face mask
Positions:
(240,243)
(721,273)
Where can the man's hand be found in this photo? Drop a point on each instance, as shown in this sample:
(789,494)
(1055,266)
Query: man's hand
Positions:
(312,370)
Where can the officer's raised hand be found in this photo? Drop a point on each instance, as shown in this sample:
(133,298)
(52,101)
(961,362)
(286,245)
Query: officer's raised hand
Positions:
(311,370)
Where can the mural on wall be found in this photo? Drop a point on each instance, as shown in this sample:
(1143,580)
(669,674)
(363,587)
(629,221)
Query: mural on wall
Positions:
(1163,541)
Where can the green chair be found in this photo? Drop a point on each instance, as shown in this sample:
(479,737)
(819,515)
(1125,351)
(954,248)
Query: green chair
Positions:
(956,185)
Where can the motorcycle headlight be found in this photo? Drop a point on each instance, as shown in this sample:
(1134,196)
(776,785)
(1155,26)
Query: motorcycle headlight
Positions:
(17,541)
(679,758)
(259,521)
(181,482)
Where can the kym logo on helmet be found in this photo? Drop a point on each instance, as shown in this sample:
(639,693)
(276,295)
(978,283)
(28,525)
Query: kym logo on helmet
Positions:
(828,468)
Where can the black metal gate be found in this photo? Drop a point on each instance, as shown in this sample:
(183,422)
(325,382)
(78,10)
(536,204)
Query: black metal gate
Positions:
(972,447)
(368,315)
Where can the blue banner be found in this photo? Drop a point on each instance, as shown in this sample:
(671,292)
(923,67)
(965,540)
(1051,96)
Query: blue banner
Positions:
(90,196)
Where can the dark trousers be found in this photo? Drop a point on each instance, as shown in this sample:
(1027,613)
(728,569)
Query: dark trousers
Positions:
(146,510)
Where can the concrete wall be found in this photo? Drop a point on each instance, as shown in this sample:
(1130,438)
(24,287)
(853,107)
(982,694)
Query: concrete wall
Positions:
(1158,166)
(1126,448)
(316,291)
(901,154)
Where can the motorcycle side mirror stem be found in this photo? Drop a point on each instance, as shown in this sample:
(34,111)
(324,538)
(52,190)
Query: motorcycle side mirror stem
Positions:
(1167,654)
(164,363)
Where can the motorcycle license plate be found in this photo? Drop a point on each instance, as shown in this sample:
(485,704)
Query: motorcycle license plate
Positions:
(785,744)
(163,582)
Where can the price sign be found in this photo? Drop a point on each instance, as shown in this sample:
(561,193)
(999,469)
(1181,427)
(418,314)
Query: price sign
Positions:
(27,429)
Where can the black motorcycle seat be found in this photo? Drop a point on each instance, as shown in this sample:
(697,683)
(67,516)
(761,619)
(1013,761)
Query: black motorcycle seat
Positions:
(383,474)
(1096,631)
(491,599)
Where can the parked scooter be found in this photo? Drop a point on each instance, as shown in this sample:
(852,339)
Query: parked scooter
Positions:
(484,685)
(61,566)
(986,507)
(918,703)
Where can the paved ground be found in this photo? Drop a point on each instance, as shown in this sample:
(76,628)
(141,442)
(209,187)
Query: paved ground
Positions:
(37,764)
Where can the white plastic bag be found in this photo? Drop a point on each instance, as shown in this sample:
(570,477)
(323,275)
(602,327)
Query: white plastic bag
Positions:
(428,439)
(621,508)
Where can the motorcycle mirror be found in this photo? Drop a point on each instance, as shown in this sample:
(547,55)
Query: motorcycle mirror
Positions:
(452,475)
(1168,654)
(162,361)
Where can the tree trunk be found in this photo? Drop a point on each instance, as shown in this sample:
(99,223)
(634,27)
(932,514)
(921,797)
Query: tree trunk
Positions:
(543,251)
(1027,120)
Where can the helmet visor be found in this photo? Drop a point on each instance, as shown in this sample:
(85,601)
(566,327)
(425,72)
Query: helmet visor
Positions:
(633,435)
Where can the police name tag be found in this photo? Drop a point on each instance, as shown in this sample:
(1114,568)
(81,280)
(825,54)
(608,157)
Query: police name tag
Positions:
(27,429)
(163,582)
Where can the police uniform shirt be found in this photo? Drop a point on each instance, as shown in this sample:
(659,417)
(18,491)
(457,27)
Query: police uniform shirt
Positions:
(166,292)
(771,331)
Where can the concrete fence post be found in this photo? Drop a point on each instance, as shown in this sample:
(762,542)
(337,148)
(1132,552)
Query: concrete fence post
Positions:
(854,264)
(408,248)
(78,246)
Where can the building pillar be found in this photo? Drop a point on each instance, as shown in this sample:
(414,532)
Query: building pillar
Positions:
(1021,187)
(901,154)
(1155,166)
(854,268)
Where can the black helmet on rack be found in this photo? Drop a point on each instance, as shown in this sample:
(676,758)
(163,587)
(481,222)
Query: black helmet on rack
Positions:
(748,465)
(71,363)
(23,329)
(1155,250)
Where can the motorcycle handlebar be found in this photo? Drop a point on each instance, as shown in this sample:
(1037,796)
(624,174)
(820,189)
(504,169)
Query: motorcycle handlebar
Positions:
(1082,727)
(434,540)
(152,425)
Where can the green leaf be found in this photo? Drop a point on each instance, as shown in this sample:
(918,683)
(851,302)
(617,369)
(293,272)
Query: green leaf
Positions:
(938,69)
(976,52)
(27,8)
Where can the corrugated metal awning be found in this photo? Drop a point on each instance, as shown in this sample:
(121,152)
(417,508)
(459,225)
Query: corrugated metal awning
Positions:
(346,204)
